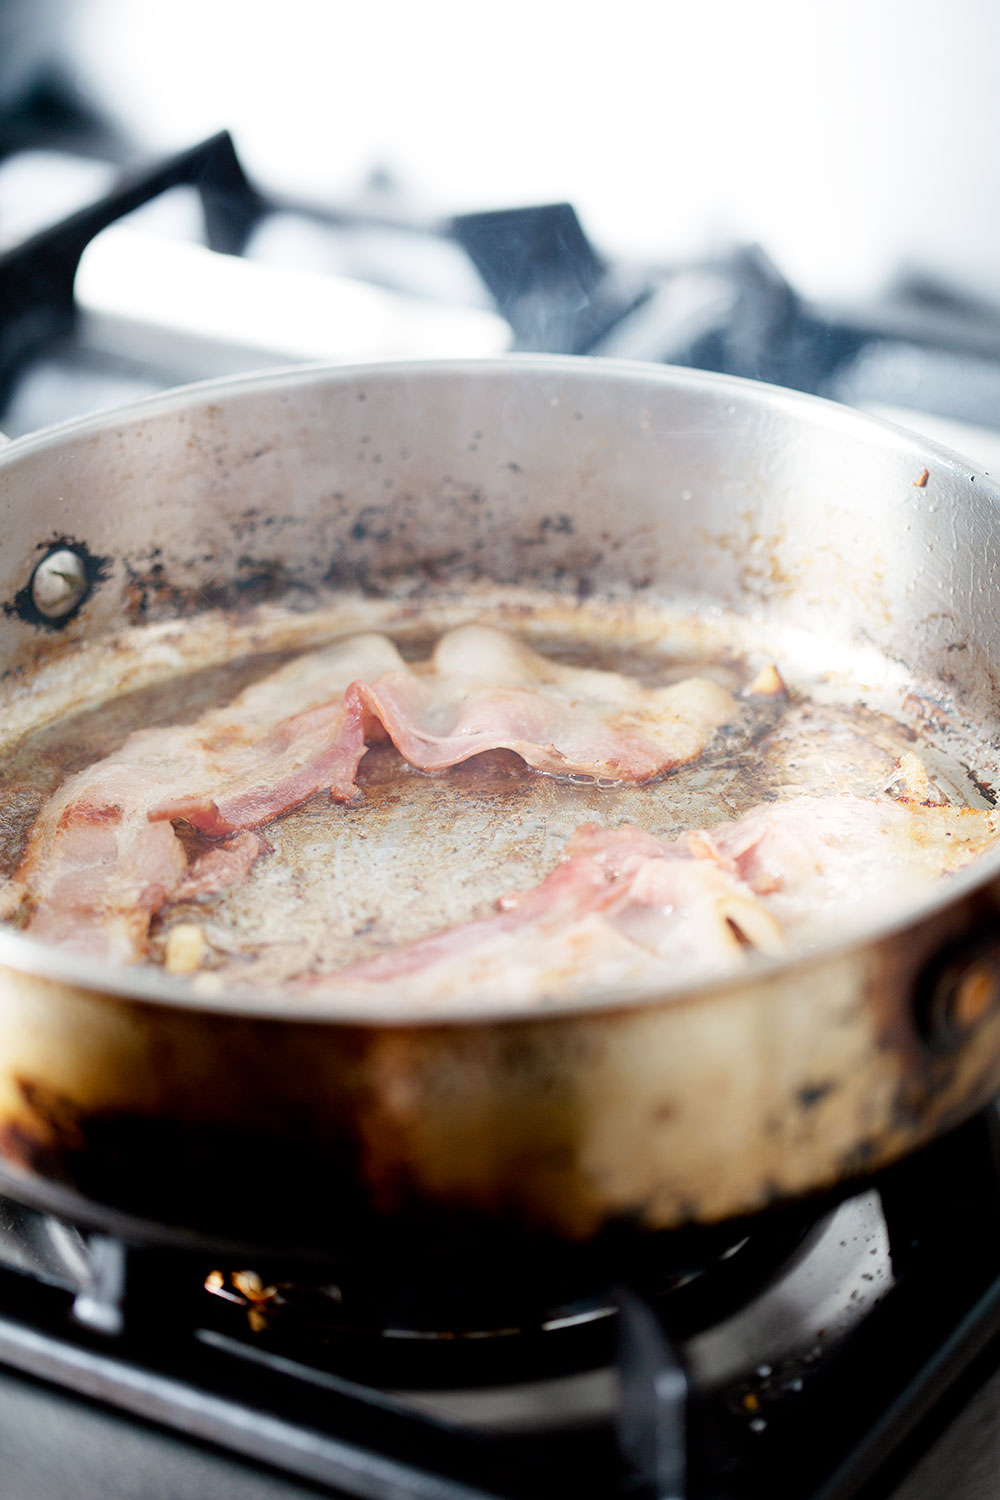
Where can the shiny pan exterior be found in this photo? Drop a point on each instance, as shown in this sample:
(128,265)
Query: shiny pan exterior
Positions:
(389,492)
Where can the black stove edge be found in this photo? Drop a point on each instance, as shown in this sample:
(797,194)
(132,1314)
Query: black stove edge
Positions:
(926,1407)
(962,1174)
(315,1425)
(37,276)
(866,1398)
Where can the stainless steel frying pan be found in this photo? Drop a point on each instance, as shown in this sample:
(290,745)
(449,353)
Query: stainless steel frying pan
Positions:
(637,509)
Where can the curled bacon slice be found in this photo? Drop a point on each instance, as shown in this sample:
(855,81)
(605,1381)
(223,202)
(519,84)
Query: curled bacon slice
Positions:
(622,906)
(482,690)
(620,899)
(307,752)
(102,857)
(627,907)
(486,690)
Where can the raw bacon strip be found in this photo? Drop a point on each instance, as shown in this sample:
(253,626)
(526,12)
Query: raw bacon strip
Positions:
(811,856)
(623,905)
(626,907)
(320,748)
(284,738)
(482,690)
(305,728)
(487,690)
(94,870)
(100,861)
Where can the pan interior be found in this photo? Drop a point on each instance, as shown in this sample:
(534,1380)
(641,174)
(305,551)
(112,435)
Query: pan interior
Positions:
(417,852)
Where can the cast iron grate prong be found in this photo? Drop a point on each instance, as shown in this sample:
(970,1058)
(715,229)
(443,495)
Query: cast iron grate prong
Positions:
(36,277)
(652,1423)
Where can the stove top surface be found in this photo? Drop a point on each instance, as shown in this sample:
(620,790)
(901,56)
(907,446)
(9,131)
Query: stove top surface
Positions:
(811,1358)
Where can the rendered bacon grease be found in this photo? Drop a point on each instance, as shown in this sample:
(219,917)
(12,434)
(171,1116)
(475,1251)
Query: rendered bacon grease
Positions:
(103,856)
(179,814)
(626,907)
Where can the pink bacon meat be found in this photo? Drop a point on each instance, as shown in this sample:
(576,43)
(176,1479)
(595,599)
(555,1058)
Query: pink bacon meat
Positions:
(623,905)
(626,907)
(486,690)
(217,869)
(102,858)
(482,690)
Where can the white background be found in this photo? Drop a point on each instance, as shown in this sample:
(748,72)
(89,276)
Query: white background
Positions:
(854,140)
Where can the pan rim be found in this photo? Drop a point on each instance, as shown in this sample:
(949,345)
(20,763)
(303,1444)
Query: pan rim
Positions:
(20,953)
(834,413)
(149,986)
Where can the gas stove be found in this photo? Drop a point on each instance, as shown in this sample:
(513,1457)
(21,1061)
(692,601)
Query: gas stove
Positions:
(814,1353)
(839,1349)
(120,281)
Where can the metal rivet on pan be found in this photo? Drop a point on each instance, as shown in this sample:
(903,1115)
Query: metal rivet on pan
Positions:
(59,584)
(959,994)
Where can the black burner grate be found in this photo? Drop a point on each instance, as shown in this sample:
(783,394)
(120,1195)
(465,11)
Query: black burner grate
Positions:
(923,346)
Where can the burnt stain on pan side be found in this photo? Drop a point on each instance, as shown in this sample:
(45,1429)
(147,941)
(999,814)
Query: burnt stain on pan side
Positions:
(293,1199)
(379,549)
(153,593)
(985,788)
(228,1180)
(811,1094)
(96,569)
(447,1266)
(150,593)
(312,1188)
